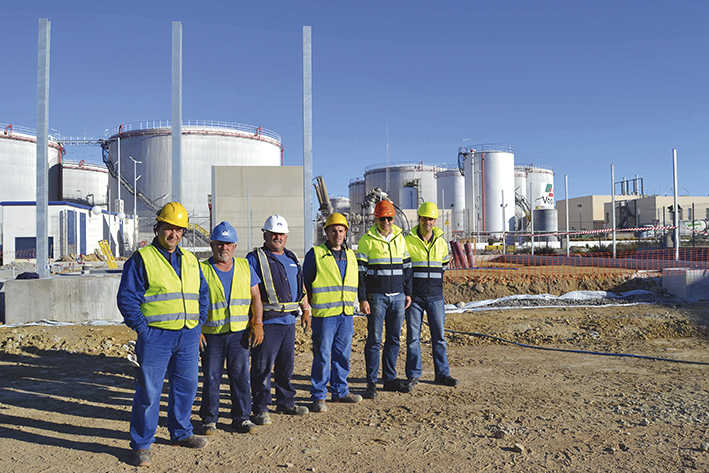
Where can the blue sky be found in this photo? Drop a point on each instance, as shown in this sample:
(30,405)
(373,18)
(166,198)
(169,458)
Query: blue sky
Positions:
(572,85)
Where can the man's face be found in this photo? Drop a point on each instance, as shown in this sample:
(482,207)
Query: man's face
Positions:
(169,236)
(426,224)
(384,224)
(275,241)
(336,235)
(222,251)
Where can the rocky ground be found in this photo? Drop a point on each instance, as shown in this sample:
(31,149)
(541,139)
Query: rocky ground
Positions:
(65,395)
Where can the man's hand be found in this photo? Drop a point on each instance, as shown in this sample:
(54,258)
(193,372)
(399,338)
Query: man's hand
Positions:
(256,334)
(408,302)
(202,342)
(364,307)
(305,319)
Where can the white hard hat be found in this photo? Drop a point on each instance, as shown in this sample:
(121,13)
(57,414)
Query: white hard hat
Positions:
(275,224)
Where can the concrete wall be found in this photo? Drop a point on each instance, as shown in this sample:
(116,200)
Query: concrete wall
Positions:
(63,299)
(246,195)
(688,284)
(650,209)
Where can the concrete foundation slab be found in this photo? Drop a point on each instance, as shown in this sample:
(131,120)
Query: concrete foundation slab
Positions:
(688,284)
(63,299)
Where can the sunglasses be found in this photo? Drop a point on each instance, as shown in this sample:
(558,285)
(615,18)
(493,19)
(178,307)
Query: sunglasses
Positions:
(386,219)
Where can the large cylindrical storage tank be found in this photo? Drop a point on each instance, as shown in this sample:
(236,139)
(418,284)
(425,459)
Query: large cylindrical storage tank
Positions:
(546,221)
(489,184)
(541,187)
(356,191)
(18,165)
(84,183)
(408,184)
(204,144)
(451,195)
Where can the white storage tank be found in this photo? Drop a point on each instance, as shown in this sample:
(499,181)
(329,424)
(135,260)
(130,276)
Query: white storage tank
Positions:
(489,185)
(451,196)
(541,187)
(340,204)
(204,144)
(408,184)
(18,164)
(356,191)
(84,183)
(546,221)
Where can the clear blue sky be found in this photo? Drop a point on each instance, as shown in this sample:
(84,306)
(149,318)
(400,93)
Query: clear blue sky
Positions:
(572,85)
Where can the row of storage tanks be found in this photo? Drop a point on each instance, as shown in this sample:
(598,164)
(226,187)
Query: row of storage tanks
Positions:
(71,181)
(490,195)
(204,144)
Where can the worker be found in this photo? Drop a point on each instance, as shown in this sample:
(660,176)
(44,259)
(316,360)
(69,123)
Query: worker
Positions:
(384,293)
(225,335)
(429,258)
(331,279)
(164,297)
(282,293)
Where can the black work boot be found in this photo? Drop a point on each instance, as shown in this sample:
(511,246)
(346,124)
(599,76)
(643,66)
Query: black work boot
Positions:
(371,391)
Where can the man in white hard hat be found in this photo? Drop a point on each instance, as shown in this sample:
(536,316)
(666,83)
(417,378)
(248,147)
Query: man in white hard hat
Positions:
(282,293)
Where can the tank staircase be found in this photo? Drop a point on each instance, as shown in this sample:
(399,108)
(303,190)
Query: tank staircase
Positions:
(199,232)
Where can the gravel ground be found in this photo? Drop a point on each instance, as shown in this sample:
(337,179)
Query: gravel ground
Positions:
(65,396)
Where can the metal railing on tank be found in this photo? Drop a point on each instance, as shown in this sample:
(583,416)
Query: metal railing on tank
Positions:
(215,124)
(10,128)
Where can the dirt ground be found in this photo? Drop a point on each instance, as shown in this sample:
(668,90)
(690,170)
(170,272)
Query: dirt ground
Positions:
(65,397)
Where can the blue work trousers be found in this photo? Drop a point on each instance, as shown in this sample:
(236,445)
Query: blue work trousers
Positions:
(234,348)
(389,311)
(436,314)
(160,352)
(332,346)
(274,354)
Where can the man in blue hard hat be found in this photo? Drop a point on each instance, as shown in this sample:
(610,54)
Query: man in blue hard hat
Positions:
(233,294)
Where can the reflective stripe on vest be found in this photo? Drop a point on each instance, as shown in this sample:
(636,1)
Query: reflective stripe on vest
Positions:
(427,258)
(233,316)
(170,302)
(273,304)
(331,295)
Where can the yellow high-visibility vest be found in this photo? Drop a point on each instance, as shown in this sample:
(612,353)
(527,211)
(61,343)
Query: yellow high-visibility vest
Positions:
(331,295)
(232,316)
(427,258)
(170,302)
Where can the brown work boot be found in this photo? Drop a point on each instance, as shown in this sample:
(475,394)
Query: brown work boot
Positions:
(318,406)
(191,442)
(142,457)
(349,398)
(209,428)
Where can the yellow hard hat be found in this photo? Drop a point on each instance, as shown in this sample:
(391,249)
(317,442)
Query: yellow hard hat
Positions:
(428,209)
(173,213)
(336,219)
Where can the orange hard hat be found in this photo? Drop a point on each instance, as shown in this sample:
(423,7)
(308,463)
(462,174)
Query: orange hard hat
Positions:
(384,208)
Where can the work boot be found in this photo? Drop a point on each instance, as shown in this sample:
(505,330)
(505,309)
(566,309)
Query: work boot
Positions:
(142,457)
(262,418)
(294,411)
(209,428)
(319,406)
(446,380)
(242,426)
(371,391)
(192,441)
(348,398)
(395,385)
(412,383)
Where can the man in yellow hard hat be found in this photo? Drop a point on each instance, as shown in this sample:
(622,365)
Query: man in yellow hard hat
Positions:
(331,280)
(164,297)
(429,258)
(384,294)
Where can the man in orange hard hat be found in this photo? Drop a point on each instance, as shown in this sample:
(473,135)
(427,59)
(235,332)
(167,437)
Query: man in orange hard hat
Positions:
(384,294)
(164,297)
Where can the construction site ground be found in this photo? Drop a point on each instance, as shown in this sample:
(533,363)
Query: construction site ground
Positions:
(65,397)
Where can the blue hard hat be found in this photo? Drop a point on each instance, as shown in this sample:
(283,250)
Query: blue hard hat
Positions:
(224,232)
